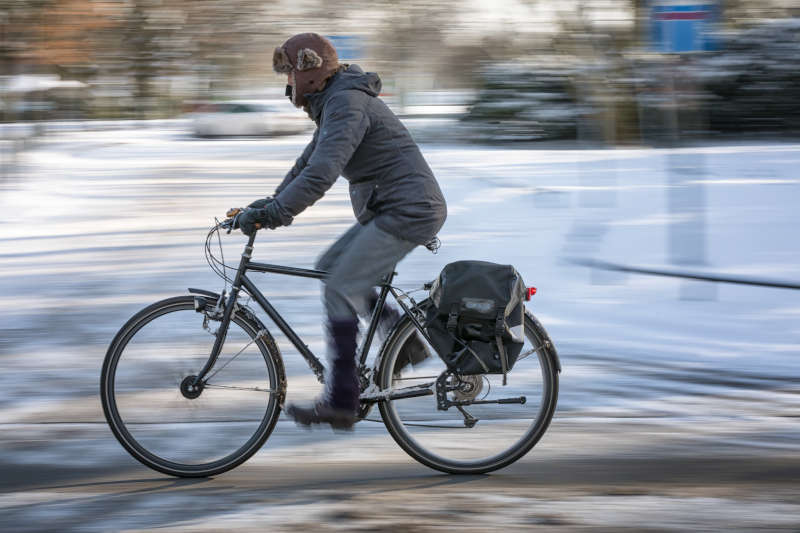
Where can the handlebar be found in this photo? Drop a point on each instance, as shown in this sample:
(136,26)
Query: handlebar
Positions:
(230,222)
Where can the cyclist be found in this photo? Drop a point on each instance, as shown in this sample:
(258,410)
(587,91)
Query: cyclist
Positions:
(396,200)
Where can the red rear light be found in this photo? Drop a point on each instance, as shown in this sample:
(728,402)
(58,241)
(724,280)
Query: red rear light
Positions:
(530,292)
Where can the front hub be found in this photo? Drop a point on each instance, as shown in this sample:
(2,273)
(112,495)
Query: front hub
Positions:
(189,390)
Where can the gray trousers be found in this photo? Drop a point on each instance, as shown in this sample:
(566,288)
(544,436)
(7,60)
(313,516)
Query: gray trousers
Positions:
(357,262)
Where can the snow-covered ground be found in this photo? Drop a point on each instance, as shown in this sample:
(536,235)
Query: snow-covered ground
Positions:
(99,224)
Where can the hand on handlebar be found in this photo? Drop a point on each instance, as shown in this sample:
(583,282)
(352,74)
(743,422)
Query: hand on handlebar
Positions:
(233,211)
(232,222)
(252,219)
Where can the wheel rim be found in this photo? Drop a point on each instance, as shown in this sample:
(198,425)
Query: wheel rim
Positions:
(170,426)
(503,433)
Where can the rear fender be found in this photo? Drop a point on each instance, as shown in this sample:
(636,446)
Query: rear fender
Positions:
(550,348)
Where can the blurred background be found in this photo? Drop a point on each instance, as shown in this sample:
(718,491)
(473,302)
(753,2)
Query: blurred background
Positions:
(635,160)
(605,71)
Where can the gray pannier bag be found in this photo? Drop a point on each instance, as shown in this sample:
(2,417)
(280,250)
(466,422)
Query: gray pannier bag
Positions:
(476,321)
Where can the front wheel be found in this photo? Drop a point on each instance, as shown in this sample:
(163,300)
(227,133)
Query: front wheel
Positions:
(166,423)
(484,436)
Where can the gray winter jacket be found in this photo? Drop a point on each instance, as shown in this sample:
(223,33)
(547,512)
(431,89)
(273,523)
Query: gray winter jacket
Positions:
(358,137)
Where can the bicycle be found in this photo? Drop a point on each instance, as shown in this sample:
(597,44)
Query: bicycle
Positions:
(181,407)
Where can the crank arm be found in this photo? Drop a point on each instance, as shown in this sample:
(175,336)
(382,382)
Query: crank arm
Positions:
(397,394)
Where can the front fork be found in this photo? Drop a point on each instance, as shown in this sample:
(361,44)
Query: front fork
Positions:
(222,331)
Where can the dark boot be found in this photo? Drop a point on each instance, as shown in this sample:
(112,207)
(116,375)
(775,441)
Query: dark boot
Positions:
(338,406)
(413,351)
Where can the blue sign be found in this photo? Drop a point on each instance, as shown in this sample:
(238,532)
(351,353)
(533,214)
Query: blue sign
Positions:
(682,26)
(348,47)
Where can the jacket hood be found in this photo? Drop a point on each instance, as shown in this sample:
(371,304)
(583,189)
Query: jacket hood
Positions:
(350,77)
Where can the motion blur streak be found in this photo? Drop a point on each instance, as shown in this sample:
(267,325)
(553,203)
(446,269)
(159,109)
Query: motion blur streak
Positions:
(659,135)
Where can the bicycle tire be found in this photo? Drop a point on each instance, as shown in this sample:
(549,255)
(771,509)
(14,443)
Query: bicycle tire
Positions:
(411,444)
(251,327)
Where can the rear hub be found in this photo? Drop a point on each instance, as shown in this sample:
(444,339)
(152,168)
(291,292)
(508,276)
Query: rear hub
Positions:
(467,388)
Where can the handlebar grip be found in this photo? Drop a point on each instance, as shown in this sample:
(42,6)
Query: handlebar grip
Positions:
(232,212)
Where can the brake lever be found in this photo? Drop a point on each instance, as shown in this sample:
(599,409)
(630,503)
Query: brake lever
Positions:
(232,213)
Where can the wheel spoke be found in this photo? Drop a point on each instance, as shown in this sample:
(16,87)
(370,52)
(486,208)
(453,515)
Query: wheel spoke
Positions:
(173,430)
(255,389)
(484,430)
(229,361)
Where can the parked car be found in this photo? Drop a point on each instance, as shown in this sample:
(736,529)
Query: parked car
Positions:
(247,117)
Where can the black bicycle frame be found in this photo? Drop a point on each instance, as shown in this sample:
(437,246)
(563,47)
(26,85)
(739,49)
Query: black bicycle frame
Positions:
(242,281)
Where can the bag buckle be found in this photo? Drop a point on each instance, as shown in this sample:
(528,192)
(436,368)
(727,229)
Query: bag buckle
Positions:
(500,323)
(452,318)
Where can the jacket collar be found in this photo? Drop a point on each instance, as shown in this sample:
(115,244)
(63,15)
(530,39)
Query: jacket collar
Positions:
(316,101)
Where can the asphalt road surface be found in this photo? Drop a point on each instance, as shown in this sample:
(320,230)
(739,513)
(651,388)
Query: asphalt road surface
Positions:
(608,475)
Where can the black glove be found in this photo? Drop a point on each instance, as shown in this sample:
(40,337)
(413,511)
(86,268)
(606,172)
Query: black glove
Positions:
(261,202)
(267,217)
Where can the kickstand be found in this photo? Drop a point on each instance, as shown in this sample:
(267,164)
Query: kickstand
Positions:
(469,420)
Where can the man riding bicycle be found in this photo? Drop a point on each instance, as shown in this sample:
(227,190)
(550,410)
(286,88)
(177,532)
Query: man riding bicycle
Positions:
(396,200)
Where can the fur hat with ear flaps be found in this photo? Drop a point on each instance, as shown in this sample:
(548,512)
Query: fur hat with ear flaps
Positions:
(311,59)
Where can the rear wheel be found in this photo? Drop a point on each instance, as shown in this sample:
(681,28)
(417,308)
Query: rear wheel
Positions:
(503,433)
(163,420)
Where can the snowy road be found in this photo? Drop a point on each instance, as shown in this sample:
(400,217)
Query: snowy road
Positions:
(678,404)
